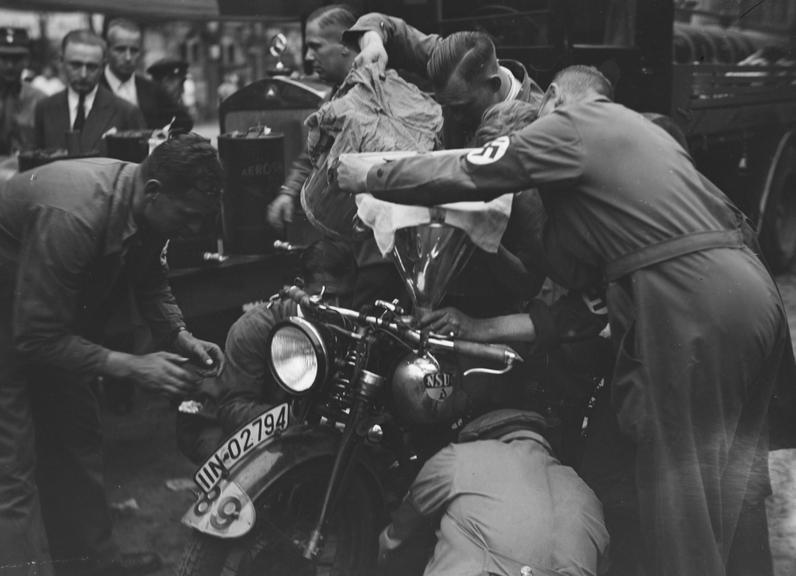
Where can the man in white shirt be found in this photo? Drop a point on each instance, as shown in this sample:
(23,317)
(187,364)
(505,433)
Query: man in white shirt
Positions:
(85,111)
(157,106)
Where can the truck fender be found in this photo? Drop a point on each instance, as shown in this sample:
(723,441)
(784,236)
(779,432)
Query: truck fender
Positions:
(228,511)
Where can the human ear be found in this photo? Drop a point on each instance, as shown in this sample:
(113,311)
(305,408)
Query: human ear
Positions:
(152,188)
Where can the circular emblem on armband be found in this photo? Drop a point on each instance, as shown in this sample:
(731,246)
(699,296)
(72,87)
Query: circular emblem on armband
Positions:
(490,152)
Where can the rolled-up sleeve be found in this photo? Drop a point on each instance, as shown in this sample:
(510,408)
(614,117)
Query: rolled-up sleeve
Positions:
(54,262)
(155,301)
(407,47)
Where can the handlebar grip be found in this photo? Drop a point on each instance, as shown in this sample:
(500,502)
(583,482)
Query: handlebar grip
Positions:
(298,296)
(490,352)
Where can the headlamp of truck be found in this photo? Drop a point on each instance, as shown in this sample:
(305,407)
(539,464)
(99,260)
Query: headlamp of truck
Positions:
(297,356)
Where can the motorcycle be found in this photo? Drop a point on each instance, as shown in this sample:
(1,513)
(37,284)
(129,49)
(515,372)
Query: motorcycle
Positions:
(305,487)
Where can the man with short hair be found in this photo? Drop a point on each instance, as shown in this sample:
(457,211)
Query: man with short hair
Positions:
(17,98)
(77,239)
(700,336)
(331,61)
(463,68)
(124,40)
(501,504)
(85,107)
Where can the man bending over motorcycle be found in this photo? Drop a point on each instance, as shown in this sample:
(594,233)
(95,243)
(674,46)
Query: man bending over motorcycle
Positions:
(245,388)
(505,505)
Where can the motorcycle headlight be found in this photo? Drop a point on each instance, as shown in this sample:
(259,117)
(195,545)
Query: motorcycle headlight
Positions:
(297,355)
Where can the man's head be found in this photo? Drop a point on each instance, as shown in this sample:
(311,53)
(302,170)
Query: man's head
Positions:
(329,265)
(170,73)
(182,181)
(464,71)
(83,54)
(14,54)
(575,84)
(124,47)
(504,118)
(331,60)
(498,424)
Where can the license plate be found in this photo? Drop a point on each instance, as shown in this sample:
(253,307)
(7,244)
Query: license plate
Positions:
(239,444)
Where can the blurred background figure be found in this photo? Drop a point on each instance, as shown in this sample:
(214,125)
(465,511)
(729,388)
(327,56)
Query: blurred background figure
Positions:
(170,74)
(229,86)
(48,81)
(124,40)
(17,98)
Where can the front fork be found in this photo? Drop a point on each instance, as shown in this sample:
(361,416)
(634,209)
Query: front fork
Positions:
(368,385)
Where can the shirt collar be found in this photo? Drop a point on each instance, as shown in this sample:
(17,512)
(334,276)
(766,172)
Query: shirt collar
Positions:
(114,81)
(74,99)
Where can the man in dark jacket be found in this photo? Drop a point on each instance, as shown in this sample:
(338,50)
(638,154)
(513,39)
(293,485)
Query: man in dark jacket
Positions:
(75,238)
(85,108)
(700,335)
(124,53)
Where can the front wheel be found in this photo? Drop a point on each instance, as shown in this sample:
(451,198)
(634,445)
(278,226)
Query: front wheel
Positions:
(778,230)
(286,513)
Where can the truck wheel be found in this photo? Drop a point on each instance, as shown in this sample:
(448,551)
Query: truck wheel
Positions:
(285,515)
(778,227)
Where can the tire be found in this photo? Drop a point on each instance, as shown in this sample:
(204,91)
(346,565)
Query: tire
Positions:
(778,230)
(285,515)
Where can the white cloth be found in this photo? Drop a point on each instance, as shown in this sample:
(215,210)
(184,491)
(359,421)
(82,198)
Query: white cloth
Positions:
(122,88)
(49,86)
(484,222)
(515,84)
(74,100)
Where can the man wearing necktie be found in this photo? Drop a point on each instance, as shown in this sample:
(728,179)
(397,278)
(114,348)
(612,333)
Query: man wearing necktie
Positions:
(78,117)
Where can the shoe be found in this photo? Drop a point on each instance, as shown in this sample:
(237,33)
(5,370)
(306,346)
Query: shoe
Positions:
(129,564)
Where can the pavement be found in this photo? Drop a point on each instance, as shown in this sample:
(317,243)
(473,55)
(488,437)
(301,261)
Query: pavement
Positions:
(143,463)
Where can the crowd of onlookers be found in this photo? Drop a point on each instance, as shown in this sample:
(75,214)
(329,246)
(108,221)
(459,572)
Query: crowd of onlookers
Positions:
(101,91)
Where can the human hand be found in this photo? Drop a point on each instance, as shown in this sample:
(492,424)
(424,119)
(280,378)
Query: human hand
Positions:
(451,322)
(280,211)
(159,371)
(371,51)
(208,354)
(352,173)
(387,544)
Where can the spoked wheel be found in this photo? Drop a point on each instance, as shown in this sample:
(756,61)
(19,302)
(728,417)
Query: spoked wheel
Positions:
(286,514)
(778,234)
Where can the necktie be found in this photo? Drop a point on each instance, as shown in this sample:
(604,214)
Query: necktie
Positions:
(80,117)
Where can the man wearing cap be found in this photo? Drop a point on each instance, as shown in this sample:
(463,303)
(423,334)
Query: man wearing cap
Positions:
(504,505)
(17,99)
(124,54)
(169,73)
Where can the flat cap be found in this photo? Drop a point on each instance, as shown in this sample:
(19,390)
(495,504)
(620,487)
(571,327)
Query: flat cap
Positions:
(168,67)
(497,423)
(14,40)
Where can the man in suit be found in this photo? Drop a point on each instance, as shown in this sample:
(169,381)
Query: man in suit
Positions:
(124,54)
(85,107)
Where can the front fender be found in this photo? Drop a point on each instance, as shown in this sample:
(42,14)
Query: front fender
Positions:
(228,511)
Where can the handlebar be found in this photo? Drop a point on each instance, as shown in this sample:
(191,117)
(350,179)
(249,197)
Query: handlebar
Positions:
(498,353)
